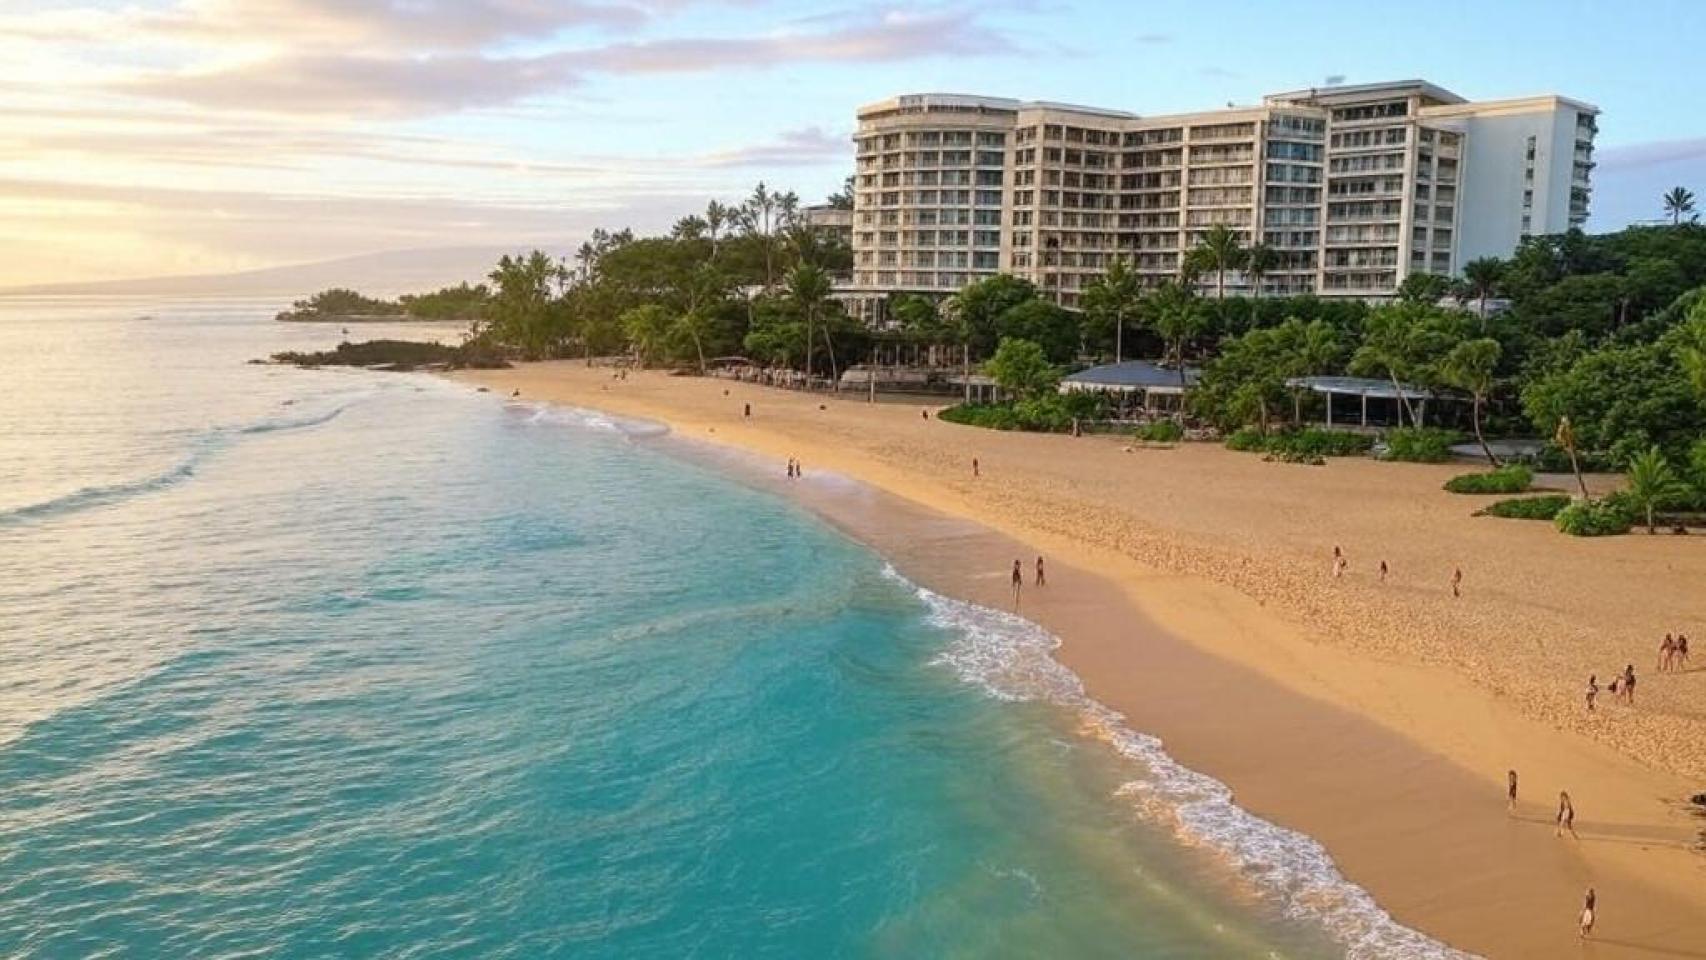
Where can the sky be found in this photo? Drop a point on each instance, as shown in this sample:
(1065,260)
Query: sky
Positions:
(152,137)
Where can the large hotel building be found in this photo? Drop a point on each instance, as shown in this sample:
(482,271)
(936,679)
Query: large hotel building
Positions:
(1354,187)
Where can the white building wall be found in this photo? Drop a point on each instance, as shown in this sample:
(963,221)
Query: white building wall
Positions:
(1496,181)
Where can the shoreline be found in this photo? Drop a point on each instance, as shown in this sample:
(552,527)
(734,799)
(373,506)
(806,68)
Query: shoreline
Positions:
(1395,766)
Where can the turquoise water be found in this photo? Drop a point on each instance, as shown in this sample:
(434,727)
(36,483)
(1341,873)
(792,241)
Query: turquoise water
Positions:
(338,664)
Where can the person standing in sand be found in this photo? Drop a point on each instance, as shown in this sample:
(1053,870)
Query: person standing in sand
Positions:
(1682,651)
(1041,580)
(1383,571)
(1339,562)
(1588,905)
(1510,791)
(1629,684)
(1018,582)
(1457,582)
(976,471)
(1667,651)
(1566,819)
(1593,690)
(747,411)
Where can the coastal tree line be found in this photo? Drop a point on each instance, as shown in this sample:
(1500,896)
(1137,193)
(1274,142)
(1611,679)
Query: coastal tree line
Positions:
(1596,344)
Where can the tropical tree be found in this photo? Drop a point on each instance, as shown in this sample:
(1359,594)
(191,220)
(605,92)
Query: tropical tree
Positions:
(1177,317)
(648,328)
(1113,298)
(1021,368)
(1403,341)
(1481,276)
(1308,349)
(1565,439)
(695,327)
(1259,260)
(808,290)
(1469,366)
(524,311)
(1219,251)
(1652,484)
(1425,288)
(1691,351)
(1679,203)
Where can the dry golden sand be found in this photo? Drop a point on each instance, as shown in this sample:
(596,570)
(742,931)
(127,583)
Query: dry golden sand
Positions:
(1234,555)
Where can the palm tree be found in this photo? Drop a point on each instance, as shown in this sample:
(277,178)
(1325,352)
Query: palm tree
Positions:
(1652,484)
(1679,203)
(1259,260)
(717,217)
(1176,317)
(1565,438)
(695,326)
(808,288)
(1114,296)
(758,217)
(1219,251)
(1469,366)
(1483,275)
(1315,349)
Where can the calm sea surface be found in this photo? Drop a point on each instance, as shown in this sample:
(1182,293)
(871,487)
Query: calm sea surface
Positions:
(344,664)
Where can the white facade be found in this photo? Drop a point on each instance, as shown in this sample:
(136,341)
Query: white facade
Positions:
(1354,187)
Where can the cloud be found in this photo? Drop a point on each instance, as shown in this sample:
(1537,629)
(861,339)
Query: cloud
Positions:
(1653,153)
(810,145)
(392,85)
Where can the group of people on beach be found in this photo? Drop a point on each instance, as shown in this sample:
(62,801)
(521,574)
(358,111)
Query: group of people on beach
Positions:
(1341,564)
(1622,687)
(1563,821)
(794,472)
(1019,578)
(1673,654)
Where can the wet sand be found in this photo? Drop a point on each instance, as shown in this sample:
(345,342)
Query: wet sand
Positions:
(1391,755)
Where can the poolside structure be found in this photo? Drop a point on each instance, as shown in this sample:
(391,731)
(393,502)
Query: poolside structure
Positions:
(1134,383)
(1365,389)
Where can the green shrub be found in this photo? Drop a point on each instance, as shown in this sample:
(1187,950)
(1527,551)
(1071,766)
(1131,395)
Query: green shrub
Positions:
(1045,414)
(1247,440)
(1301,446)
(991,416)
(1529,508)
(1596,518)
(1510,478)
(1313,442)
(1161,431)
(1420,444)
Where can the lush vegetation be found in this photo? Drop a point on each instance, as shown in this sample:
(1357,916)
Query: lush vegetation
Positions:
(1302,444)
(1529,508)
(461,303)
(397,355)
(1161,431)
(1420,444)
(1510,478)
(340,304)
(1596,518)
(1045,413)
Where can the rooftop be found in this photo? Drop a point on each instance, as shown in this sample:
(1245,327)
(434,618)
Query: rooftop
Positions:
(1130,375)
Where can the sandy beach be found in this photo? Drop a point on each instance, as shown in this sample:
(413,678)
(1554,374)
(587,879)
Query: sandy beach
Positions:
(1193,591)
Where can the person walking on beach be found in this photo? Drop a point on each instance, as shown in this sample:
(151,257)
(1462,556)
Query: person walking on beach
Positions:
(1510,791)
(1457,582)
(1629,684)
(1041,580)
(1383,571)
(1588,905)
(1018,582)
(1667,650)
(1566,819)
(1339,562)
(975,470)
(1682,651)
(1593,690)
(747,411)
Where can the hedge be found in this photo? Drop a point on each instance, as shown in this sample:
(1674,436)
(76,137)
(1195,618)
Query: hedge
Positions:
(1596,518)
(1161,431)
(1529,508)
(1420,444)
(1510,478)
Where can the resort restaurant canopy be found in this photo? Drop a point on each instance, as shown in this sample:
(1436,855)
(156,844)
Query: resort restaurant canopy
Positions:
(1159,386)
(1363,390)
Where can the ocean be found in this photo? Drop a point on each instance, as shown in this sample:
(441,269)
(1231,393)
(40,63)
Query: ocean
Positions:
(331,663)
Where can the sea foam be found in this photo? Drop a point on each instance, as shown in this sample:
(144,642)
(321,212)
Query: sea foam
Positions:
(1011,658)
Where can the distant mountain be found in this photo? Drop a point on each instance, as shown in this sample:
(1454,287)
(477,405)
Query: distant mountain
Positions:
(376,274)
